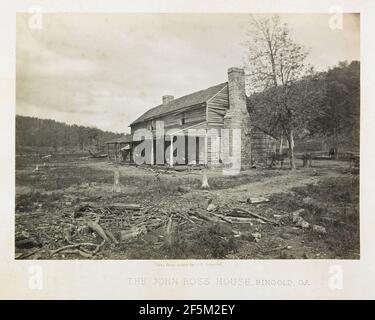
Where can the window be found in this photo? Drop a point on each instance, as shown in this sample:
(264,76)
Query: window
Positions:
(151,125)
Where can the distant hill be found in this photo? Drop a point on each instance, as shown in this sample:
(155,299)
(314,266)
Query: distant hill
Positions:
(34,133)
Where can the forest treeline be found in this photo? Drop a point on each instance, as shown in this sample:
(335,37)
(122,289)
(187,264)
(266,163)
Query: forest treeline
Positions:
(45,133)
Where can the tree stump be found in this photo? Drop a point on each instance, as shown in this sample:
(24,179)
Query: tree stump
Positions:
(205,184)
(168,232)
(116,183)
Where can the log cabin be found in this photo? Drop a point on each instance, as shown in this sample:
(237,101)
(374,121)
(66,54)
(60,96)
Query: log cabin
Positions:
(199,119)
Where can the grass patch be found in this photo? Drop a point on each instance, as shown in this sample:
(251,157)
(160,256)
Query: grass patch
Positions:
(334,204)
(227,182)
(57,178)
(35,200)
(204,242)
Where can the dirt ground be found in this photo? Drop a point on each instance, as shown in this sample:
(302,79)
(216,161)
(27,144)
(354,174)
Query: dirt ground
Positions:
(56,198)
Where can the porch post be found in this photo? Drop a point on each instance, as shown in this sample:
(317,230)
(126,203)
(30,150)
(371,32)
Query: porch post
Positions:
(205,149)
(171,153)
(152,152)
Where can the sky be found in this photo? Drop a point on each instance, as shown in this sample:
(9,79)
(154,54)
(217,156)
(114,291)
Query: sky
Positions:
(106,69)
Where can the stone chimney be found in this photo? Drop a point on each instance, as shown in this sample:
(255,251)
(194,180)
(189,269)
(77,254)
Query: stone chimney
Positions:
(237,117)
(236,88)
(167,99)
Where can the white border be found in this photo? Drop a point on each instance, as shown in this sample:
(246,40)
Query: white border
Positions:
(109,279)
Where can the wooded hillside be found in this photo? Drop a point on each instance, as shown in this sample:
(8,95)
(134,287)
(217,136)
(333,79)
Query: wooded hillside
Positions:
(326,107)
(42,133)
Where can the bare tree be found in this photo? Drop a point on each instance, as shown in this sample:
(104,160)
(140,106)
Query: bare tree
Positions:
(275,60)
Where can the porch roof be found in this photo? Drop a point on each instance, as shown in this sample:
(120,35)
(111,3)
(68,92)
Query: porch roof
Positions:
(128,139)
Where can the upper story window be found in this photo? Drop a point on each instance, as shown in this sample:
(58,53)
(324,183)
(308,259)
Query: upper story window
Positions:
(182,119)
(151,125)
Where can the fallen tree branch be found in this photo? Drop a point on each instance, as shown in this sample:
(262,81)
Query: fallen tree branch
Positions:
(72,246)
(204,216)
(185,217)
(168,231)
(80,252)
(111,236)
(95,226)
(221,217)
(257,216)
(98,247)
(132,233)
(276,249)
(28,254)
(242,220)
(126,206)
(198,219)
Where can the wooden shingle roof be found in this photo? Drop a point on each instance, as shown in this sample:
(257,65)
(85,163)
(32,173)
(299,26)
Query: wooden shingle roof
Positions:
(183,102)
